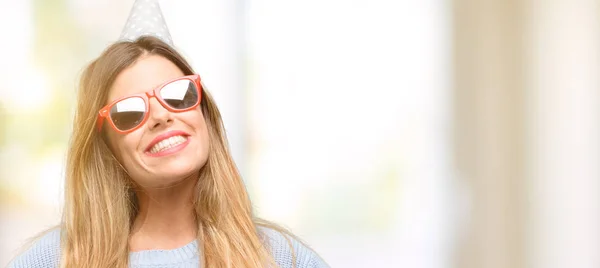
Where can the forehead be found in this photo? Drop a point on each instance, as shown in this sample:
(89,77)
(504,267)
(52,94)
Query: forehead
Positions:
(145,74)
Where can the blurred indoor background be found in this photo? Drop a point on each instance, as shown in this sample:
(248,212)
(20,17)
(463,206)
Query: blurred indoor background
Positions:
(386,133)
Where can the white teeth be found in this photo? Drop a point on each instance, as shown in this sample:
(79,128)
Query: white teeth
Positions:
(167,143)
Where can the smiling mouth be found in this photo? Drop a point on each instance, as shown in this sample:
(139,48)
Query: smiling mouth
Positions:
(167,144)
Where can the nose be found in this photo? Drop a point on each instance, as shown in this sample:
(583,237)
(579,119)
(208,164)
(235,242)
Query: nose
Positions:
(158,116)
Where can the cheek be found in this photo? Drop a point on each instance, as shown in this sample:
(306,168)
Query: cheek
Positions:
(122,147)
(196,121)
(202,129)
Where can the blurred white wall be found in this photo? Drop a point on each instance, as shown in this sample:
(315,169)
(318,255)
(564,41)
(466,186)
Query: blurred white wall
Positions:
(564,126)
(527,123)
(349,115)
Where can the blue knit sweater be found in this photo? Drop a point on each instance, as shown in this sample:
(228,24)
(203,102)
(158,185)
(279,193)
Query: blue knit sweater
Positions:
(45,253)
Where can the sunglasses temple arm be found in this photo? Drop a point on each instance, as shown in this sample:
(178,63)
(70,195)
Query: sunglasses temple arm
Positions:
(99,121)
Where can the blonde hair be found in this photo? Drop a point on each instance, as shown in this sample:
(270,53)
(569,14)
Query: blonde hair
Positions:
(100,202)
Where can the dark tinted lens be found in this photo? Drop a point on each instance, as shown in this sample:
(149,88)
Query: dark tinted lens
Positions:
(180,94)
(128,113)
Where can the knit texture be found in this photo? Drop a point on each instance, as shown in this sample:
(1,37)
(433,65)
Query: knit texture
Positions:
(45,253)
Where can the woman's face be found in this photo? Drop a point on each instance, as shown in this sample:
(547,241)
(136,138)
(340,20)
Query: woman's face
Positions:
(160,166)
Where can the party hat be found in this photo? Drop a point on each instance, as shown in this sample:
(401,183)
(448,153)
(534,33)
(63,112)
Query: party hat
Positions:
(146,18)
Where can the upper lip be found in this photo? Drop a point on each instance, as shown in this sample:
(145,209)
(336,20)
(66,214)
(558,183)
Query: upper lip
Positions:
(164,136)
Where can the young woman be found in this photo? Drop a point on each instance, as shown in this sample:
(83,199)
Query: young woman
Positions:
(149,178)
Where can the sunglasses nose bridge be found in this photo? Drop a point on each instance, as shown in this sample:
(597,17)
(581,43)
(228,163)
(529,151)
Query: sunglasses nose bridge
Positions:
(158,113)
(150,94)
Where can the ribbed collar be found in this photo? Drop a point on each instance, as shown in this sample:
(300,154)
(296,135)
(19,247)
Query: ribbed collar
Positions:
(165,256)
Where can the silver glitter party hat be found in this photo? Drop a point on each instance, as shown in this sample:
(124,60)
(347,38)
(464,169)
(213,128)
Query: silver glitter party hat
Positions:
(146,18)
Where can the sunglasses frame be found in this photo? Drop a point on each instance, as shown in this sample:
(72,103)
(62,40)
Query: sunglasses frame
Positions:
(104,113)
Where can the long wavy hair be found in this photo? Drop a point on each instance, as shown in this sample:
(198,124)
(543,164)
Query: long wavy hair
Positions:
(100,201)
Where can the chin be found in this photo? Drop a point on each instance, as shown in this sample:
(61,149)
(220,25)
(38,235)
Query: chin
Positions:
(170,173)
(170,180)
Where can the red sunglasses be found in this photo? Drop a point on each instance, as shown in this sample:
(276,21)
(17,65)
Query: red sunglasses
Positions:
(130,113)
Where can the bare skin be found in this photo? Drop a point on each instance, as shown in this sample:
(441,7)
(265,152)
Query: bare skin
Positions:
(166,219)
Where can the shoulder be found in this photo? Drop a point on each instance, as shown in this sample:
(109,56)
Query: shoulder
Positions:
(44,252)
(281,244)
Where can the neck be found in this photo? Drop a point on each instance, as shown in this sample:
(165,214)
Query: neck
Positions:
(166,217)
